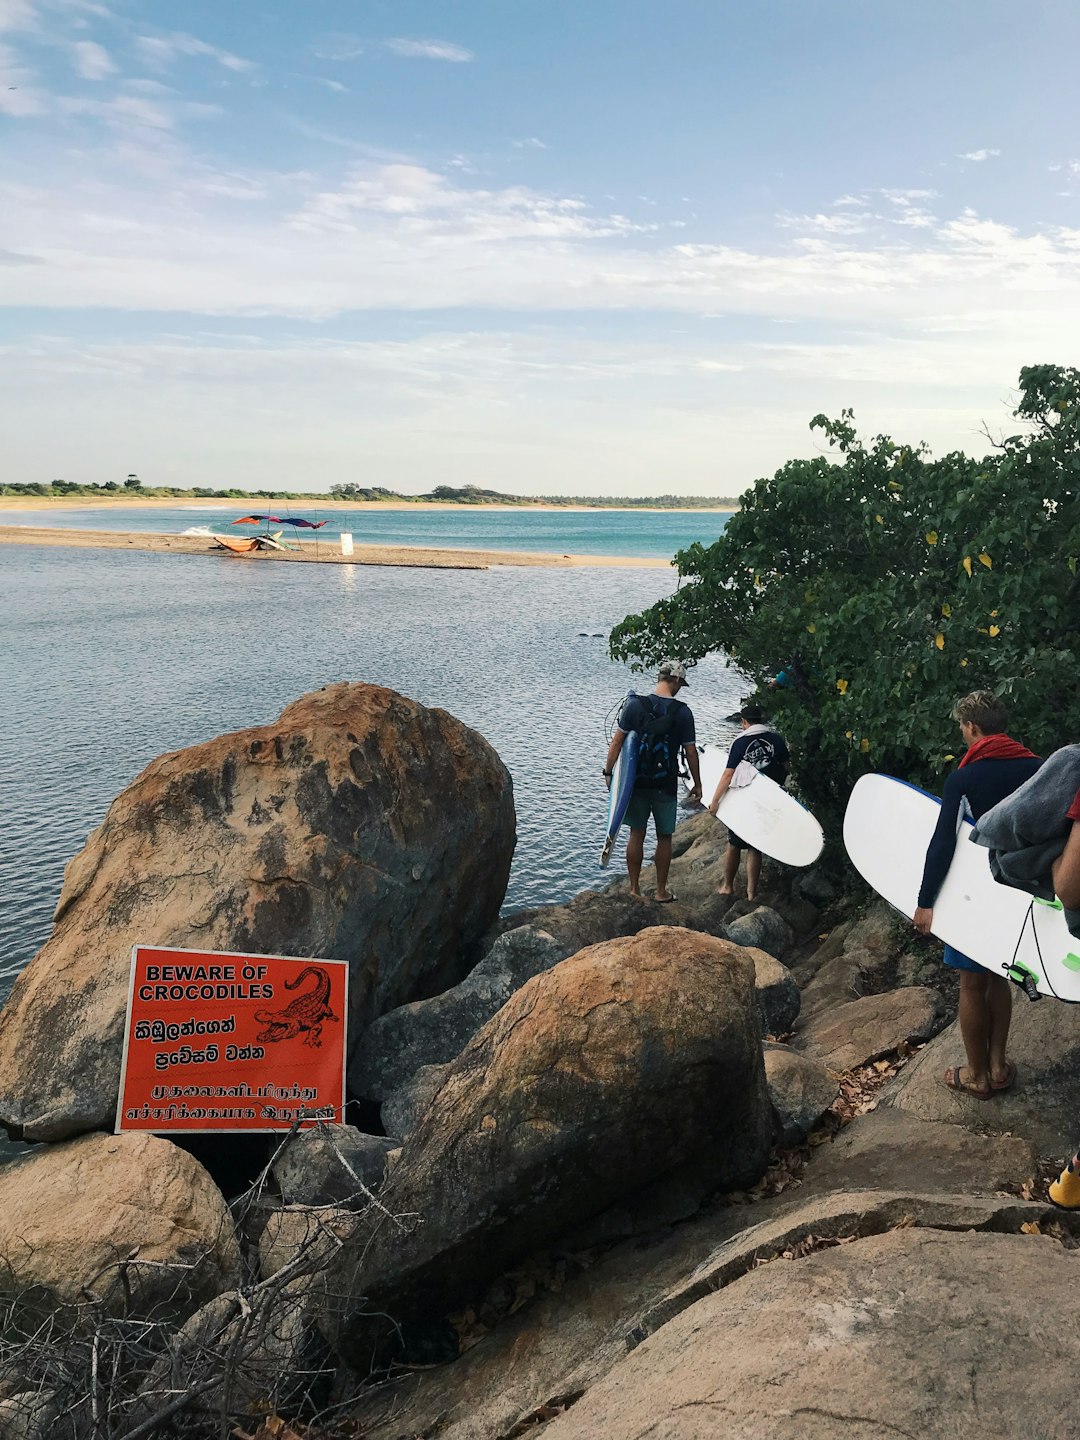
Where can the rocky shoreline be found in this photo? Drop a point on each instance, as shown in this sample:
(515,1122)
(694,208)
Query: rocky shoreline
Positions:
(615,1169)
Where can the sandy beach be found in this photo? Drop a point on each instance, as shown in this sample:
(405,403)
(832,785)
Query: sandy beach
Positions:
(325,552)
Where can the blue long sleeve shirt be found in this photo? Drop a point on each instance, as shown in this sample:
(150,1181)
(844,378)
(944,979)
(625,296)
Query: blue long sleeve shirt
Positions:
(972,790)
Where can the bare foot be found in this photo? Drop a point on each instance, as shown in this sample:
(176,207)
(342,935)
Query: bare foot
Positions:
(727,893)
(637,895)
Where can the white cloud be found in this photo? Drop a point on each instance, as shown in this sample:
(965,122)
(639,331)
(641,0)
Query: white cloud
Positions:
(977,156)
(429,50)
(531,143)
(826,224)
(92,61)
(17,15)
(332,84)
(162,50)
(338,46)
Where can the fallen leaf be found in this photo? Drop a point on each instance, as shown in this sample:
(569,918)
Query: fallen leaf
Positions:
(1030,1227)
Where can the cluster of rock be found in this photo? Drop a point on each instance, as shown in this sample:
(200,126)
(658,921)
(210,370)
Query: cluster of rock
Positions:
(577,1079)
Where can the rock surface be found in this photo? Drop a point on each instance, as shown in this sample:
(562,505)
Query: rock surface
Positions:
(777,993)
(432,1032)
(73,1212)
(846,1036)
(402,1111)
(886,1336)
(1043,1105)
(359,825)
(331,1164)
(855,959)
(621,1064)
(762,929)
(801,1090)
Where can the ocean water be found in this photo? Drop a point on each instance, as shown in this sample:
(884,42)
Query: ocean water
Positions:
(114,657)
(637,533)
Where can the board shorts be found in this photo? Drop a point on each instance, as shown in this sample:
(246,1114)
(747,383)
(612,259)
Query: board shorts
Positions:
(663,808)
(738,843)
(956,961)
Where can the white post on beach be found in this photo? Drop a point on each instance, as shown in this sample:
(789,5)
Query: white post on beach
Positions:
(346,542)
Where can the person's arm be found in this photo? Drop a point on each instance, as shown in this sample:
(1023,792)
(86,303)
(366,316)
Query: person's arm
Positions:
(735,754)
(691,753)
(939,853)
(613,753)
(1066,870)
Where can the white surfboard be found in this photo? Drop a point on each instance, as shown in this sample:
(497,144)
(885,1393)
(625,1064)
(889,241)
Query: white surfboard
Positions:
(887,827)
(762,813)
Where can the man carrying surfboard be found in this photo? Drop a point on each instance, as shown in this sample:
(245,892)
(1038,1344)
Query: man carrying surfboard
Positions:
(665,726)
(757,749)
(994,766)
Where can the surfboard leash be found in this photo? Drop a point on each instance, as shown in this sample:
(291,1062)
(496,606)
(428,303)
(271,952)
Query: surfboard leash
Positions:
(1021,974)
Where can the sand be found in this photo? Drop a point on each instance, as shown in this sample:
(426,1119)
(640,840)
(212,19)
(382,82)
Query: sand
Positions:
(326,552)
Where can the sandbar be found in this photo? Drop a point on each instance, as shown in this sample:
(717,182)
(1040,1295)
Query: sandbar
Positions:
(325,552)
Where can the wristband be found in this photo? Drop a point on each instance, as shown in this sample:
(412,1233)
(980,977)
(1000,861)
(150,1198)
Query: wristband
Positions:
(608,774)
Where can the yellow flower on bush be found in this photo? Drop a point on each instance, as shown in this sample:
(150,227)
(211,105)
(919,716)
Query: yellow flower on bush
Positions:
(946,610)
(812,628)
(994,632)
(841,685)
(939,640)
(864,746)
(931,537)
(984,559)
(967,565)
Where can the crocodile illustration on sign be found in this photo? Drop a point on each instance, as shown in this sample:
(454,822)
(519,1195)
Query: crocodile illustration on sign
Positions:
(307,1012)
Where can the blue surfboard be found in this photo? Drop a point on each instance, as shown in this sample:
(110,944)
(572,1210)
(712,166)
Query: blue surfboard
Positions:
(622,785)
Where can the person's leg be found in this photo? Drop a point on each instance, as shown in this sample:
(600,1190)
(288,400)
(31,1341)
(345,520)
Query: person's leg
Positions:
(665,811)
(663,865)
(732,856)
(753,873)
(635,853)
(974,1016)
(999,1009)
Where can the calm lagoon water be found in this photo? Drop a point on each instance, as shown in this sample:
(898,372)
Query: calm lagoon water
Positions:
(638,533)
(114,657)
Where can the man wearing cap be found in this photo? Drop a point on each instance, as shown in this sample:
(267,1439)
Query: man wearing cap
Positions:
(757,748)
(667,728)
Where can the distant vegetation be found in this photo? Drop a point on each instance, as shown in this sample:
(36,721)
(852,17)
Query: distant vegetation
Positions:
(133,488)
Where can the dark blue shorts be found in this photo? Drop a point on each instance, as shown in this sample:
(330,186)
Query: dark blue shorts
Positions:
(956,961)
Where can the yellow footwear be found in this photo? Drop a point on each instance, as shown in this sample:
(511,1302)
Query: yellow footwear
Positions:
(1065,1191)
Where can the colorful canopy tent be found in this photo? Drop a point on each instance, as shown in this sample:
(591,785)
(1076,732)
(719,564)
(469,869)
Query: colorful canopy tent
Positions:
(280,520)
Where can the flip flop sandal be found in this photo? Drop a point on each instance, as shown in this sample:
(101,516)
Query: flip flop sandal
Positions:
(669,901)
(953,1081)
(1009,1081)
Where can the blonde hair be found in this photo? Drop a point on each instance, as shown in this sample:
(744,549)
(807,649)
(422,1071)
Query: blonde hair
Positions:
(981,708)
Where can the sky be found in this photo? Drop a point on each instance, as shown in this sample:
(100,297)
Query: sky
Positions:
(561,247)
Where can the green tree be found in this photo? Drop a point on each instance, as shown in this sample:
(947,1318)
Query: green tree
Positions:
(132,483)
(890,583)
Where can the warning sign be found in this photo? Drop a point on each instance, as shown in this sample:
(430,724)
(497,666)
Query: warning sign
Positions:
(232,1042)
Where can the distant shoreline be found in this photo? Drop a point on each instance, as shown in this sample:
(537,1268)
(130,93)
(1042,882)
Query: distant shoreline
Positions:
(325,552)
(297,502)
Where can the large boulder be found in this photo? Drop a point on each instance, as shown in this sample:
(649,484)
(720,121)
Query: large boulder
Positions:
(623,1063)
(915,1332)
(129,1221)
(1044,1104)
(359,825)
(761,929)
(431,1032)
(856,959)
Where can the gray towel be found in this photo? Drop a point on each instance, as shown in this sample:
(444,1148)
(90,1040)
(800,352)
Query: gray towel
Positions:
(1026,832)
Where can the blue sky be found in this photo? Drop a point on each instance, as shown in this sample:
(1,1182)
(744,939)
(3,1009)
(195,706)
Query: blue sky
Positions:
(618,248)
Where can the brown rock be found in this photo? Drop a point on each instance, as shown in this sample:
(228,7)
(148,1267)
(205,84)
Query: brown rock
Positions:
(73,1213)
(1044,1104)
(615,1067)
(801,1090)
(850,1035)
(359,826)
(910,1333)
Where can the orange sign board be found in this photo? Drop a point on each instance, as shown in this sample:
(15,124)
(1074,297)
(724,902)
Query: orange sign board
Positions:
(232,1042)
